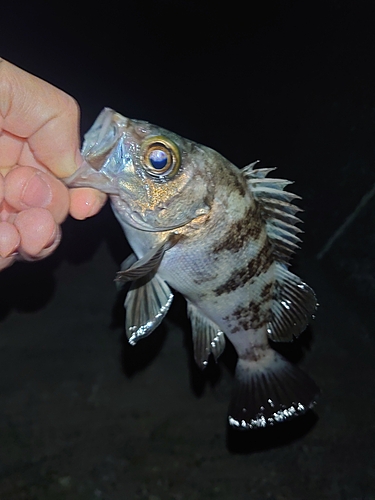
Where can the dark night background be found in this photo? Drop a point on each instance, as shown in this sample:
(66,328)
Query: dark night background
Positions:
(82,415)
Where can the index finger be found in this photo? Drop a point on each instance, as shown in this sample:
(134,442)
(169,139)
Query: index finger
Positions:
(44,115)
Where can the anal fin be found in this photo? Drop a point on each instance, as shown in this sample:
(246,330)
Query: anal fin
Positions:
(207,337)
(269,391)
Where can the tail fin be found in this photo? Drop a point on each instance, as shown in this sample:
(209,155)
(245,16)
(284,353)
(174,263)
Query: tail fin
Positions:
(268,391)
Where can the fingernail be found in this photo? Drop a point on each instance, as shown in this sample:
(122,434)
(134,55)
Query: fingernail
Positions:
(37,193)
(93,208)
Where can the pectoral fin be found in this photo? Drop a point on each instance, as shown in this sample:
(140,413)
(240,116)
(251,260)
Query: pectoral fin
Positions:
(146,304)
(149,262)
(207,337)
(128,262)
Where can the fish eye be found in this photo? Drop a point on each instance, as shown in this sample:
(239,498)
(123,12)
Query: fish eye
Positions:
(160,157)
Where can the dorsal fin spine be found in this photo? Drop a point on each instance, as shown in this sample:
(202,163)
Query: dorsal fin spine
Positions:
(277,210)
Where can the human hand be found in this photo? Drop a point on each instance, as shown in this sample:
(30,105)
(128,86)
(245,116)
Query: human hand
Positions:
(39,143)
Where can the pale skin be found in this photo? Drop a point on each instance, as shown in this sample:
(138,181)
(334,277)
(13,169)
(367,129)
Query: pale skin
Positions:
(39,145)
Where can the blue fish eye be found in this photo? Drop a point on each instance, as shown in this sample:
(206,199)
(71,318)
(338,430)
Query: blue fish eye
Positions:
(158,158)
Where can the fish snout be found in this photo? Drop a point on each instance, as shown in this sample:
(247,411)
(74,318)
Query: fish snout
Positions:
(106,154)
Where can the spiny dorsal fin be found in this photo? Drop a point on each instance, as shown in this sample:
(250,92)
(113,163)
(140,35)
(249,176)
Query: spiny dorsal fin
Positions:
(277,209)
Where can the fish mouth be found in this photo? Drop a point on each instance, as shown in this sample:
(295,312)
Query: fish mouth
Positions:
(105,154)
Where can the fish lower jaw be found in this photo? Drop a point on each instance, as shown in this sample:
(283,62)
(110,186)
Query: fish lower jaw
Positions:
(127,216)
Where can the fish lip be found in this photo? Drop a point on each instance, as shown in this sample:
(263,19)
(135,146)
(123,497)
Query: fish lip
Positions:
(103,151)
(108,120)
(88,176)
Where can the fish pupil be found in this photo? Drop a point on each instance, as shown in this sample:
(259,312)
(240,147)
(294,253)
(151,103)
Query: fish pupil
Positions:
(158,159)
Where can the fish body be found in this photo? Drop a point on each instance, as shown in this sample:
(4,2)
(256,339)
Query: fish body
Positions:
(220,236)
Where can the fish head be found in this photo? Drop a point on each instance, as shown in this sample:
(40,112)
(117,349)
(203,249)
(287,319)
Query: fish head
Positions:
(157,180)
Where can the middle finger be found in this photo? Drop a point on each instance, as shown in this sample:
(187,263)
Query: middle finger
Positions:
(28,187)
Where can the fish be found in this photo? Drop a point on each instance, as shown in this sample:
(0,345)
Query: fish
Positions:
(221,236)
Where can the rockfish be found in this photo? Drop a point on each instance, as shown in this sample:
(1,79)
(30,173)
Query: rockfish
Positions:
(220,236)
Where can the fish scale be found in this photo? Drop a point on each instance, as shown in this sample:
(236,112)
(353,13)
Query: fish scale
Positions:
(220,236)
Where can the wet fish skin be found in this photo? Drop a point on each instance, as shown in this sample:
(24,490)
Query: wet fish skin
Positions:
(222,237)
